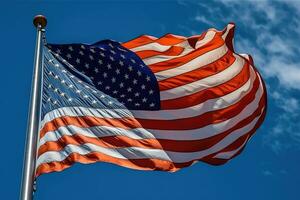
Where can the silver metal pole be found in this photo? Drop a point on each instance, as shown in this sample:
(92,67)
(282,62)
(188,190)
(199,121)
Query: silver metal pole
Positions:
(34,115)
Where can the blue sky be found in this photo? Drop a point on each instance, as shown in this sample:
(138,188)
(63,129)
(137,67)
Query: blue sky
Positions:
(268,30)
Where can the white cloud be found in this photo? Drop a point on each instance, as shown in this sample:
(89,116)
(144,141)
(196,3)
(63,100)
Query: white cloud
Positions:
(267,172)
(201,18)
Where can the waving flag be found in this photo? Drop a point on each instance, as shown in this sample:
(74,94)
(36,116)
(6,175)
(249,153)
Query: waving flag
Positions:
(150,103)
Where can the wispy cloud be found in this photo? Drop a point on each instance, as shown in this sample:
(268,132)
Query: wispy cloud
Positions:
(267,173)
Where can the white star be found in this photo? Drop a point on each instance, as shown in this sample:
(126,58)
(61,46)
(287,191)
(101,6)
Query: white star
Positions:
(96,70)
(92,50)
(78,91)
(126,76)
(56,77)
(121,63)
(152,104)
(112,59)
(143,87)
(134,81)
(54,102)
(113,80)
(70,48)
(91,57)
(55,90)
(110,102)
(63,71)
(49,99)
(130,68)
(56,65)
(129,89)
(70,99)
(107,88)
(49,86)
(129,100)
(139,73)
(99,83)
(108,66)
(151,91)
(115,92)
(137,104)
(58,51)
(100,61)
(94,102)
(148,78)
(122,49)
(133,61)
(70,86)
(137,94)
(102,54)
(122,56)
(86,65)
(117,71)
(144,99)
(111,45)
(83,47)
(77,60)
(62,94)
(112,51)
(122,95)
(63,81)
(121,85)
(81,53)
(102,96)
(104,74)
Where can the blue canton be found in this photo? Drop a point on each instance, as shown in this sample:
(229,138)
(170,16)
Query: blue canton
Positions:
(101,75)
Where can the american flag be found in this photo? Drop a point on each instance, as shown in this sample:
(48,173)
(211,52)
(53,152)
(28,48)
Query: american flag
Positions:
(149,103)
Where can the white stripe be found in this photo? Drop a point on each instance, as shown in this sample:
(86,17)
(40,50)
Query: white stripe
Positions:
(83,111)
(155,45)
(205,83)
(200,61)
(228,154)
(141,153)
(140,133)
(228,28)
(187,49)
(207,106)
(95,132)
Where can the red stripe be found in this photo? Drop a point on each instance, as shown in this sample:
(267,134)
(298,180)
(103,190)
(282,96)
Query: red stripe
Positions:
(172,51)
(167,40)
(203,72)
(209,93)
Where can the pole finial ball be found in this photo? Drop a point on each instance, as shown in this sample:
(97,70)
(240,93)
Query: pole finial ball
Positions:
(40,20)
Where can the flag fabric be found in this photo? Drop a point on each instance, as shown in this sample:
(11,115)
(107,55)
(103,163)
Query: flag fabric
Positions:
(149,103)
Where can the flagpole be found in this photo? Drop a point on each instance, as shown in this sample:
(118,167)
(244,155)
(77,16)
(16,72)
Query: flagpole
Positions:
(39,22)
